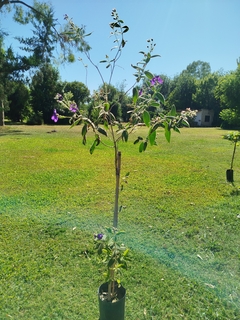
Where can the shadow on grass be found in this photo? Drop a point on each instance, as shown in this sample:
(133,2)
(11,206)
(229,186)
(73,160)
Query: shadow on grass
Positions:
(13,132)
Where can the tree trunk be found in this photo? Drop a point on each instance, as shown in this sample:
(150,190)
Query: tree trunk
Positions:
(2,115)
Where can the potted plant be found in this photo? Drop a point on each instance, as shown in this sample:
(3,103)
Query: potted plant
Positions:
(114,254)
(234,137)
(107,126)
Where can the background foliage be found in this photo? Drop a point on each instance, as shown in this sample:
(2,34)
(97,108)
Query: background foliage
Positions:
(196,87)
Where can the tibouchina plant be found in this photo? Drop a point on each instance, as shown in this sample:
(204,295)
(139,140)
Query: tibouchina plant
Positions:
(146,94)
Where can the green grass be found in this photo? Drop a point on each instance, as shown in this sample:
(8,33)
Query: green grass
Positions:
(181,219)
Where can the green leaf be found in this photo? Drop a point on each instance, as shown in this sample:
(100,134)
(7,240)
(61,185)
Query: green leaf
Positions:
(84,129)
(102,131)
(176,129)
(167,132)
(146,118)
(106,106)
(185,123)
(120,232)
(97,139)
(152,137)
(154,104)
(75,123)
(93,146)
(160,97)
(105,125)
(135,95)
(148,74)
(125,135)
(173,111)
(143,146)
(158,125)
(114,25)
(135,67)
(148,58)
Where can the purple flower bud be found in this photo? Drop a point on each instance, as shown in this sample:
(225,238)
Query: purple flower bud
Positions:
(140,92)
(54,116)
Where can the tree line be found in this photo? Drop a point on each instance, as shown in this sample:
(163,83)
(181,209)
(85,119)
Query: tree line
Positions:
(29,82)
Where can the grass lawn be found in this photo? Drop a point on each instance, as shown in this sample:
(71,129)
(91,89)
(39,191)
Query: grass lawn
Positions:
(181,217)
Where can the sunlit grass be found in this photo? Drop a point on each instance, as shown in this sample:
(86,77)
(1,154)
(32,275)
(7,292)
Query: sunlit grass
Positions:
(180,215)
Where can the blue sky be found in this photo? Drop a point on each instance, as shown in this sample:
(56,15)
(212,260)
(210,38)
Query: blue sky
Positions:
(183,30)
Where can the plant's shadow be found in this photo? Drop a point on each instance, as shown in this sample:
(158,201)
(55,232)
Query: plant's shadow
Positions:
(235,191)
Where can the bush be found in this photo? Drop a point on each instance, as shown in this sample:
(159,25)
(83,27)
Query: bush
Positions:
(35,119)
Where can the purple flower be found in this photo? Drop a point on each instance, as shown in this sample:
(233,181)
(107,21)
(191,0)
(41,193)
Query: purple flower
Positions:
(54,116)
(99,236)
(155,80)
(140,92)
(59,97)
(73,107)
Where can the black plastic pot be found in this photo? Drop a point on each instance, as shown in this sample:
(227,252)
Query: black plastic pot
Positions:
(112,310)
(229,175)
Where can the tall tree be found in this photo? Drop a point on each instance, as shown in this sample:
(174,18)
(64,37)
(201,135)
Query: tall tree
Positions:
(81,93)
(5,3)
(44,85)
(198,69)
(39,47)
(19,100)
(182,94)
(227,92)
(204,97)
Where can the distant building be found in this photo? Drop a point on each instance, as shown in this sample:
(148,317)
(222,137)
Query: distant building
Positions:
(204,118)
